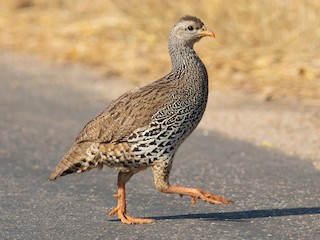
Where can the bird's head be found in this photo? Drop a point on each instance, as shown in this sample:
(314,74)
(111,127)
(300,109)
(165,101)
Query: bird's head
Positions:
(189,30)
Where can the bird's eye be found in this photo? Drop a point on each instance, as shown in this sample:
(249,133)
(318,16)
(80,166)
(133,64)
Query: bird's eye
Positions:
(190,28)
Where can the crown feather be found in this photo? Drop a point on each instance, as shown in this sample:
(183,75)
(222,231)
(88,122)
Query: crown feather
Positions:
(190,18)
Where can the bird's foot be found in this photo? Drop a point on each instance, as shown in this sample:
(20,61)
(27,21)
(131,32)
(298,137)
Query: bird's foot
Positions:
(125,218)
(196,193)
(208,197)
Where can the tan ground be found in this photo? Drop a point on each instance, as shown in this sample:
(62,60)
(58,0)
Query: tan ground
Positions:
(267,47)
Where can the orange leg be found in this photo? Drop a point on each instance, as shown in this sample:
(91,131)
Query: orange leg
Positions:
(196,193)
(121,208)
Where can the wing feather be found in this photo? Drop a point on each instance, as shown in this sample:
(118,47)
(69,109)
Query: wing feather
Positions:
(130,111)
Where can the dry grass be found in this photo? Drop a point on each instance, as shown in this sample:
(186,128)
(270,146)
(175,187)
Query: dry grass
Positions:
(266,47)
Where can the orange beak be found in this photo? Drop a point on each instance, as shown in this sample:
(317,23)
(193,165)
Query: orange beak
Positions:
(208,33)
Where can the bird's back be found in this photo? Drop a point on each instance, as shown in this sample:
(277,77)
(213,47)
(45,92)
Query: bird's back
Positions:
(132,110)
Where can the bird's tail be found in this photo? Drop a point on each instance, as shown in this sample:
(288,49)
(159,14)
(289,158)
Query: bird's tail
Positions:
(82,157)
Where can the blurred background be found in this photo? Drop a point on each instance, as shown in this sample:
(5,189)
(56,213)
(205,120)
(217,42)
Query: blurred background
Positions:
(270,48)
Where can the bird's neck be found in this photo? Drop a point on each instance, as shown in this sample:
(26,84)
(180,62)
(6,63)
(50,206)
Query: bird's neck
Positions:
(186,62)
(192,74)
(184,59)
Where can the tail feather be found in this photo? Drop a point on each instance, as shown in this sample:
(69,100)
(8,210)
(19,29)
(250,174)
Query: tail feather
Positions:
(81,157)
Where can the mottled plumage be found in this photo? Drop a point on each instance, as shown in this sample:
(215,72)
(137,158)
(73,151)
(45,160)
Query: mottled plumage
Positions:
(144,128)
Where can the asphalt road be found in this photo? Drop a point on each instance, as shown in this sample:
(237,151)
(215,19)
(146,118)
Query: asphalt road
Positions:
(44,106)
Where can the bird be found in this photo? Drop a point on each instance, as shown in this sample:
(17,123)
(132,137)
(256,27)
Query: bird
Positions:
(144,127)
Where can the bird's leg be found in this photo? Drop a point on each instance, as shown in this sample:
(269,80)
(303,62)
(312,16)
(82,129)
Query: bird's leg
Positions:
(121,207)
(161,173)
(196,193)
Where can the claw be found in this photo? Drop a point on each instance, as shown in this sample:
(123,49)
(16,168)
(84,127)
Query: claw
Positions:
(116,209)
(116,195)
(193,201)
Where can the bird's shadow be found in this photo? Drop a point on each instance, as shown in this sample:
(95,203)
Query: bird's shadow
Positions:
(245,215)
(241,215)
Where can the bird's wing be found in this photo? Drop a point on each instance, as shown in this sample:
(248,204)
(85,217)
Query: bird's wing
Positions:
(130,111)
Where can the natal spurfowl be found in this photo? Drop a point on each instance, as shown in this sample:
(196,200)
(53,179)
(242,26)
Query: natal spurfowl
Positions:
(145,127)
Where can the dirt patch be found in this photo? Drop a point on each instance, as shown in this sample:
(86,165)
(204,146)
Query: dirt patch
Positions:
(269,48)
